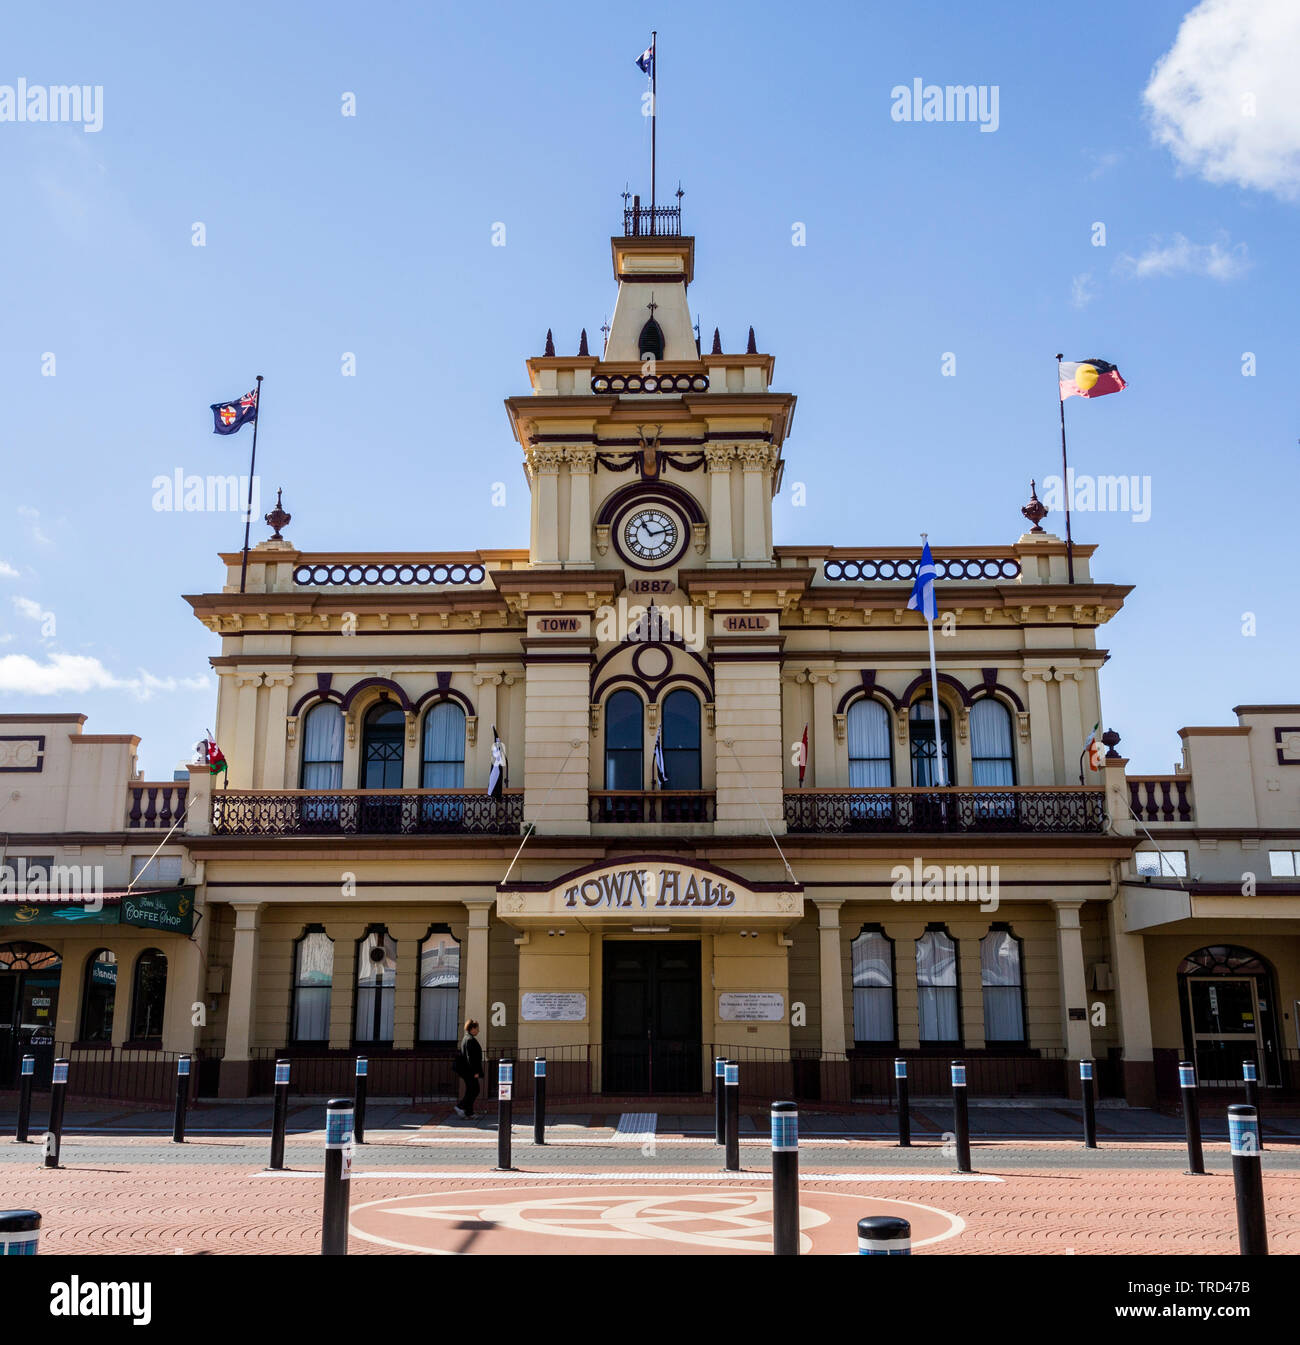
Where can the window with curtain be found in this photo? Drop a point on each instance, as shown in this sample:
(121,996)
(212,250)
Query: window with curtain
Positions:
(1000,971)
(873,986)
(322,747)
(871,757)
(382,747)
(681,740)
(624,741)
(443,762)
(313,978)
(376,987)
(936,986)
(439,987)
(149,995)
(98,995)
(992,751)
(924,757)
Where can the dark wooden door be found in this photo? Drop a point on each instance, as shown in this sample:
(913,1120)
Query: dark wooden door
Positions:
(652,1017)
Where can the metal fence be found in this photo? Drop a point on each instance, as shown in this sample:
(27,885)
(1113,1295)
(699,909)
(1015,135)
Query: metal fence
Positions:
(123,1073)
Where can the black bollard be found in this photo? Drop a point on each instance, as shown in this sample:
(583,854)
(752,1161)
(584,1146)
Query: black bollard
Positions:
(25,1099)
(505,1087)
(785,1179)
(1089,1105)
(719,1100)
(359,1100)
(904,1107)
(54,1137)
(1247,1180)
(182,1098)
(1250,1074)
(539,1100)
(731,1087)
(884,1235)
(20,1232)
(1191,1118)
(279,1116)
(960,1117)
(338,1177)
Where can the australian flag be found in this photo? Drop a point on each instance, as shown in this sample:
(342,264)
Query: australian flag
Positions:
(227,417)
(647,59)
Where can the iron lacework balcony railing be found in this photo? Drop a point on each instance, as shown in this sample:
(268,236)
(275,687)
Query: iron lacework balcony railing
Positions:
(1044,810)
(643,221)
(651,805)
(366,812)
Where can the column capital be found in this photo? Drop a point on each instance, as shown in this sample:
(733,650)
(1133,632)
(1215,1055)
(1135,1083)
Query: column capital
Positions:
(719,457)
(581,459)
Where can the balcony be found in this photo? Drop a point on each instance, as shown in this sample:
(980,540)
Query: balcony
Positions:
(620,806)
(151,805)
(366,812)
(1018,809)
(1160,798)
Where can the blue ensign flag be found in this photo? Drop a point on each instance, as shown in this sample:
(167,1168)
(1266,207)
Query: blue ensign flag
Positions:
(227,417)
(647,59)
(922,599)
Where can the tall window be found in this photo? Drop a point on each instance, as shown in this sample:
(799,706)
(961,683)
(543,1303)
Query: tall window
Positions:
(624,742)
(376,986)
(313,977)
(992,755)
(651,340)
(681,728)
(443,761)
(873,985)
(1000,971)
(149,995)
(382,747)
(439,987)
(322,747)
(924,760)
(936,986)
(98,995)
(871,758)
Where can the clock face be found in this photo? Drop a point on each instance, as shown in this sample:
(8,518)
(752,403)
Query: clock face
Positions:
(650,534)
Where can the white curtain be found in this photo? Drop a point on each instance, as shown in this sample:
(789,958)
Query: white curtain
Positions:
(870,751)
(376,978)
(873,987)
(322,747)
(1004,1018)
(439,988)
(936,986)
(444,747)
(992,755)
(312,983)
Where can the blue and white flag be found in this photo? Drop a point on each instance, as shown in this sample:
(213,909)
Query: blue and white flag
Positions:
(499,776)
(660,772)
(922,599)
(647,59)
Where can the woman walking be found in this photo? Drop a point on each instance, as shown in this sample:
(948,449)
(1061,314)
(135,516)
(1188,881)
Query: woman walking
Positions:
(469,1065)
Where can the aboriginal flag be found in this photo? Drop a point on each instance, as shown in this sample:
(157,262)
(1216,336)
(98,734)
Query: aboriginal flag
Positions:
(1089,378)
(227,417)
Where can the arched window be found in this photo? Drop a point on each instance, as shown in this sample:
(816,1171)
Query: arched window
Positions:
(873,986)
(871,757)
(98,995)
(936,985)
(443,760)
(992,753)
(382,746)
(624,741)
(149,995)
(322,747)
(924,762)
(681,740)
(651,340)
(313,978)
(376,986)
(1004,991)
(439,987)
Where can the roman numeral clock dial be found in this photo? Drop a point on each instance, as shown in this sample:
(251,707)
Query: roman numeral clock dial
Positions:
(651,534)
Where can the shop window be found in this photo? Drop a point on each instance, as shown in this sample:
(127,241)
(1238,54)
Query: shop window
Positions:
(149,995)
(1155,864)
(873,986)
(936,986)
(439,988)
(98,996)
(376,987)
(313,979)
(681,740)
(322,747)
(1001,973)
(624,741)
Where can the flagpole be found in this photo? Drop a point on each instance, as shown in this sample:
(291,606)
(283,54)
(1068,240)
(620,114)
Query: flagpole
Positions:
(252,468)
(1065,478)
(654,112)
(934,691)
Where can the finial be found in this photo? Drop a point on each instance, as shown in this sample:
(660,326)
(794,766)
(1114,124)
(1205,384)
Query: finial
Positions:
(1035,511)
(751,348)
(626,194)
(679,193)
(717,343)
(277,518)
(582,343)
(550,343)
(1111,740)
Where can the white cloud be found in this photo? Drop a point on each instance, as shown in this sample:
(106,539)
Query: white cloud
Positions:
(31,610)
(71,674)
(1180,256)
(33,524)
(7,571)
(1081,290)
(1223,97)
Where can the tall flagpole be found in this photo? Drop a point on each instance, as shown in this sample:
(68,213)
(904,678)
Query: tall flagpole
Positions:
(252,468)
(1065,478)
(934,688)
(654,112)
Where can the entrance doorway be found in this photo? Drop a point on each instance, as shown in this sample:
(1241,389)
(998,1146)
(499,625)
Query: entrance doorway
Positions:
(29,1001)
(1225,1027)
(652,1017)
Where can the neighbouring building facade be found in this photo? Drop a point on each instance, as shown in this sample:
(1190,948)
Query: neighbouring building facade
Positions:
(659,878)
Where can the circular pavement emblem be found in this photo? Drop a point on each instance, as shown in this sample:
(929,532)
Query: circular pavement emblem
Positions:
(645,1219)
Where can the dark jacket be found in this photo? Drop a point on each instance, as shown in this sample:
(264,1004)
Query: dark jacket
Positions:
(473,1054)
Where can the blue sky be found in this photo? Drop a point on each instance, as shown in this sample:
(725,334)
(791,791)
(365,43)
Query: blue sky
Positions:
(372,234)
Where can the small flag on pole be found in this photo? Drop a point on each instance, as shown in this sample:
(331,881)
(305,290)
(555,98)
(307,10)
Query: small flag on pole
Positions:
(647,59)
(213,756)
(922,599)
(500,775)
(660,771)
(1089,378)
(227,417)
(1093,749)
(803,755)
